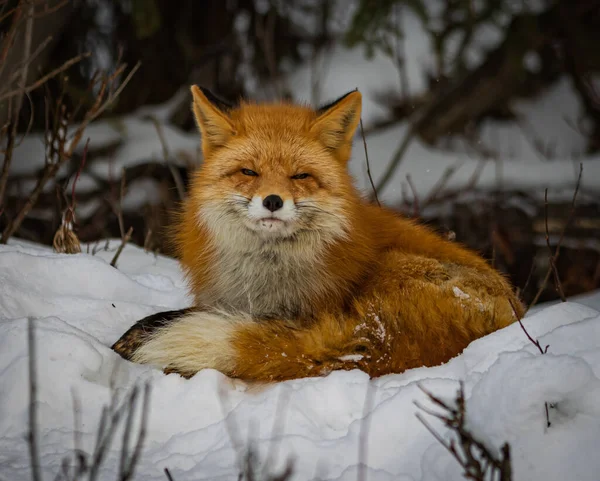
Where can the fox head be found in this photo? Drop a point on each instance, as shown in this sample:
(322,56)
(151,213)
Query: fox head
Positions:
(275,170)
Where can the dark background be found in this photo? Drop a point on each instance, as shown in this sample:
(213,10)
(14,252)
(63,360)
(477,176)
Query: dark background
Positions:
(246,48)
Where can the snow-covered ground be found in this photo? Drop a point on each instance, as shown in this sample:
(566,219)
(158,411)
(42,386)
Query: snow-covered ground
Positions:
(196,428)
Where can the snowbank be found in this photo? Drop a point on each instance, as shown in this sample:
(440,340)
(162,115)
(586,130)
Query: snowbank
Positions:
(81,305)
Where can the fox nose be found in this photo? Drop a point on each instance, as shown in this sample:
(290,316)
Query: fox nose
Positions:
(273,202)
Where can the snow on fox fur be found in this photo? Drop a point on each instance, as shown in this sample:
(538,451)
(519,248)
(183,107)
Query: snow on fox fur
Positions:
(294,273)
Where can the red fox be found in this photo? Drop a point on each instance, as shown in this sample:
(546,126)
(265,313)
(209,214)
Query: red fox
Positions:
(294,273)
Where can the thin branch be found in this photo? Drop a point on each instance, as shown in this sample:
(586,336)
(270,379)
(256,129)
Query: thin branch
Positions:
(165,148)
(537,344)
(362,133)
(473,456)
(101,108)
(168,475)
(79,170)
(557,283)
(124,242)
(560,240)
(57,157)
(396,159)
(46,77)
(363,437)
(415,195)
(20,92)
(33,422)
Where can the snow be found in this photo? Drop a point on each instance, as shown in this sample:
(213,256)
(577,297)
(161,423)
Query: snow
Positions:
(80,305)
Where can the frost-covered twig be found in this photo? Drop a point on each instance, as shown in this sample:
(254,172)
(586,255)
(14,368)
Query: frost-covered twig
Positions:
(477,461)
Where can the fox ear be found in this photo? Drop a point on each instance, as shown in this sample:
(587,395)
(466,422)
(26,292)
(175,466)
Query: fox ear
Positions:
(336,123)
(212,118)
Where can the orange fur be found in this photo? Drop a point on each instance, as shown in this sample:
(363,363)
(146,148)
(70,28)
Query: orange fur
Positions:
(341,284)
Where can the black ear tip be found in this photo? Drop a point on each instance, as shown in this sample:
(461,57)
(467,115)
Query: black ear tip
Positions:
(206,91)
(215,100)
(326,107)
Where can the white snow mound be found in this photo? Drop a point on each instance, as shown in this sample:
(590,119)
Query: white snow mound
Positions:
(80,305)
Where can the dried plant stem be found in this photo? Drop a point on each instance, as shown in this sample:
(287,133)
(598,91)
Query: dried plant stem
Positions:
(551,258)
(416,211)
(59,157)
(396,159)
(33,424)
(20,93)
(38,83)
(165,148)
(537,344)
(477,461)
(362,133)
(48,173)
(126,238)
(554,257)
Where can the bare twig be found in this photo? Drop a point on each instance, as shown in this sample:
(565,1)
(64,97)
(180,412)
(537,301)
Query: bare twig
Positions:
(277,431)
(33,425)
(557,284)
(56,157)
(363,436)
(45,78)
(537,344)
(20,92)
(124,242)
(474,457)
(415,195)
(362,132)
(396,159)
(168,475)
(165,148)
(560,240)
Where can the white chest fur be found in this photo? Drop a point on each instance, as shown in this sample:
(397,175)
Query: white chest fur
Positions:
(276,278)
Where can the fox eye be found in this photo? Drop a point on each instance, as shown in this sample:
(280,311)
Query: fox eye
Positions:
(300,176)
(249,172)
